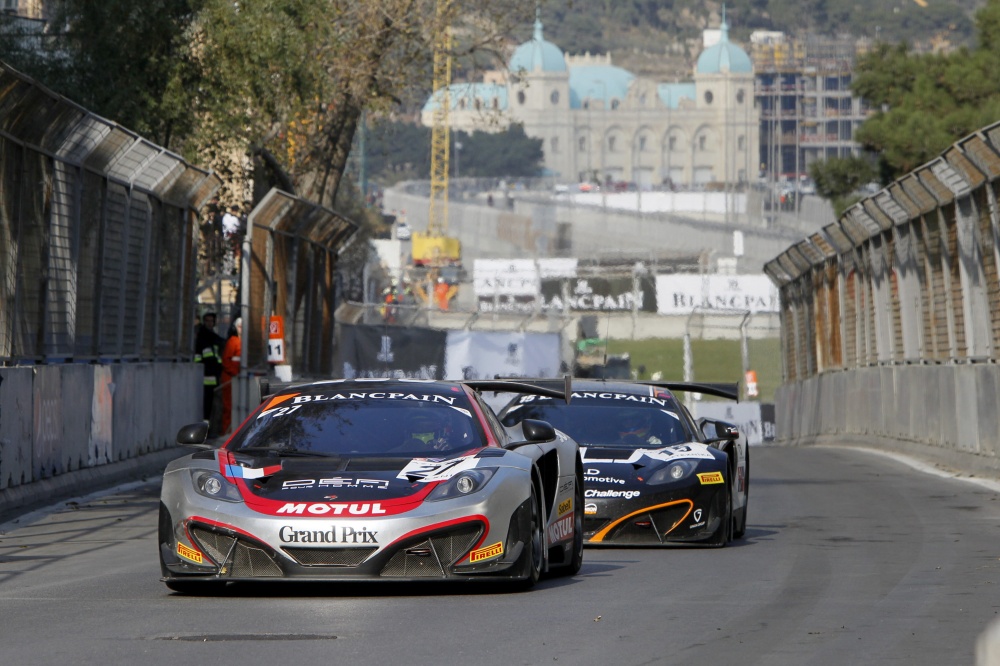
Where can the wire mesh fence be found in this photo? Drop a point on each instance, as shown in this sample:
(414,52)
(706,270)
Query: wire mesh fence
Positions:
(97,235)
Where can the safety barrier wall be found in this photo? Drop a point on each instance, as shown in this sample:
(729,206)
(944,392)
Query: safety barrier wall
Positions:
(57,419)
(97,282)
(891,317)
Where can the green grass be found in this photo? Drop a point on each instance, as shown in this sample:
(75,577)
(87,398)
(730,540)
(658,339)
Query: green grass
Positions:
(712,360)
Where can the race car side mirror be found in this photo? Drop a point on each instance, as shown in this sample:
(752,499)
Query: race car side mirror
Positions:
(722,431)
(535,432)
(195,434)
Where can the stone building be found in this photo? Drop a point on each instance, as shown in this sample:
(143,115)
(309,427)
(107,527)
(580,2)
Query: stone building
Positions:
(599,122)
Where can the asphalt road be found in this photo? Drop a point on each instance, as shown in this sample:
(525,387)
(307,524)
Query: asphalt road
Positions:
(849,558)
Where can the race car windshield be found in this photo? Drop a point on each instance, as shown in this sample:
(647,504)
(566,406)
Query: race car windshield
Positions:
(593,424)
(363,427)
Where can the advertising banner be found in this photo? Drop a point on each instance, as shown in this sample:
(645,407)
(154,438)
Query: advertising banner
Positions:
(743,415)
(484,355)
(512,285)
(391,351)
(682,293)
(596,294)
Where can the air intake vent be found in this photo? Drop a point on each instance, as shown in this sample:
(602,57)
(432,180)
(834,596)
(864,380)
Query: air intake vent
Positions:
(242,559)
(330,557)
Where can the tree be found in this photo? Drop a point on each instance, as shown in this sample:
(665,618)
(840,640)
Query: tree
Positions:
(117,58)
(838,180)
(927,102)
(273,88)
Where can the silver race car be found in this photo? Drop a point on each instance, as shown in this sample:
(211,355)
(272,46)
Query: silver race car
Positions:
(374,479)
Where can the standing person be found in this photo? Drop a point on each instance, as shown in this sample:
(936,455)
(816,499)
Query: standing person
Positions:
(230,369)
(207,346)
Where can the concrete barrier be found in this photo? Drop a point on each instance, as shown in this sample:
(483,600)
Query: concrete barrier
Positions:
(948,413)
(69,429)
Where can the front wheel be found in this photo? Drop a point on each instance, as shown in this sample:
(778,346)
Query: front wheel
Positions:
(576,559)
(724,533)
(532,557)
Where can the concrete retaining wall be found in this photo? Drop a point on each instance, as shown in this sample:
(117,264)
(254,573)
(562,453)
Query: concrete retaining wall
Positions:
(59,423)
(949,413)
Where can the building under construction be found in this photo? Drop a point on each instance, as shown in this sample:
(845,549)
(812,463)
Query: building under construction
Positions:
(803,89)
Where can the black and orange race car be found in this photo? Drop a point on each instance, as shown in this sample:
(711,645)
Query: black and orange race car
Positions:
(652,474)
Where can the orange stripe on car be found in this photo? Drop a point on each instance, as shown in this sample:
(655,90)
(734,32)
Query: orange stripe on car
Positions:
(597,538)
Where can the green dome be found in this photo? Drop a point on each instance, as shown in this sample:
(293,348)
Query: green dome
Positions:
(537,55)
(724,57)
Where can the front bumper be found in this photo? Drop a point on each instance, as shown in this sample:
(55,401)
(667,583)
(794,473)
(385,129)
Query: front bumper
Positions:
(677,514)
(471,538)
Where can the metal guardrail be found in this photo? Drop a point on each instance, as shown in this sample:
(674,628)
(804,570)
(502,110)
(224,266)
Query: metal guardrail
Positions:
(97,234)
(908,275)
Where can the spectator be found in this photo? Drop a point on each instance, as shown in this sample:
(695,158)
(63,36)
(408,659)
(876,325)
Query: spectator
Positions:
(207,346)
(230,369)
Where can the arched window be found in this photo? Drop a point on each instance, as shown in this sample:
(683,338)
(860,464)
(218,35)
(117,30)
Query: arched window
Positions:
(611,144)
(582,144)
(520,97)
(739,96)
(461,104)
(741,143)
(615,104)
(554,97)
(709,97)
(701,142)
(642,144)
(479,104)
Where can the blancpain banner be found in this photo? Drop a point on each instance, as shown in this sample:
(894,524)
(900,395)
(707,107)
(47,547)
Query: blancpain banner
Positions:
(681,294)
(517,277)
(484,355)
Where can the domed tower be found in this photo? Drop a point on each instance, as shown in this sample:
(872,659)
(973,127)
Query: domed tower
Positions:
(724,82)
(539,96)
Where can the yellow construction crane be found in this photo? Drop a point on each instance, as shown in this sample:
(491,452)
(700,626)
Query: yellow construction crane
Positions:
(434,248)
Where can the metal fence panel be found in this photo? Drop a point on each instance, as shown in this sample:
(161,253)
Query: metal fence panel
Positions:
(79,199)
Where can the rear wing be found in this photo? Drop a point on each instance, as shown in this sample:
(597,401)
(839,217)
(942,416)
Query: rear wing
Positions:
(549,388)
(554,388)
(720,390)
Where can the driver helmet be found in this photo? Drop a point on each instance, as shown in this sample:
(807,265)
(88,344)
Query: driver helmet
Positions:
(635,423)
(428,427)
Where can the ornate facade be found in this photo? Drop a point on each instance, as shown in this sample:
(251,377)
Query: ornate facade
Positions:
(601,123)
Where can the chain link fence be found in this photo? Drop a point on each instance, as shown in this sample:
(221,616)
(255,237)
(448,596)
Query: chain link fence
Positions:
(97,235)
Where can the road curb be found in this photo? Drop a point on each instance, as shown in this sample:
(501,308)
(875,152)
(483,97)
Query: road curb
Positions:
(18,500)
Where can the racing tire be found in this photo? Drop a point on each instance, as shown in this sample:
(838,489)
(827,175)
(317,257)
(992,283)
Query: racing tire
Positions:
(534,551)
(196,587)
(576,559)
(740,529)
(724,533)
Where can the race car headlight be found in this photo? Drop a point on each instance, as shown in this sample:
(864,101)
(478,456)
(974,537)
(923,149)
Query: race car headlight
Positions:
(675,471)
(466,483)
(214,486)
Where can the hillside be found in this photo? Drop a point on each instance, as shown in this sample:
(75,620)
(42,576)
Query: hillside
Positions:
(662,38)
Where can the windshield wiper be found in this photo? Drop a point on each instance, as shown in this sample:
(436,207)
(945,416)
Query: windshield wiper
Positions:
(285,453)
